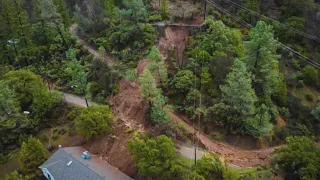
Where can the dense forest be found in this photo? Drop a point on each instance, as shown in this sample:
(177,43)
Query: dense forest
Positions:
(237,80)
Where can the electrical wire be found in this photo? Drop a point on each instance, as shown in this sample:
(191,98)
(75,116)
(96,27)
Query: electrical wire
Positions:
(312,37)
(249,26)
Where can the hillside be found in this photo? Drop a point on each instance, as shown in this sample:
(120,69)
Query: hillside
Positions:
(162,89)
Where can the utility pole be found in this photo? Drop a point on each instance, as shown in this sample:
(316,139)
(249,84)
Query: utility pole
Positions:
(204,9)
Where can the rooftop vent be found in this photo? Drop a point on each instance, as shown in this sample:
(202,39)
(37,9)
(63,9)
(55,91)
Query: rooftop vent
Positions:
(69,163)
(86,155)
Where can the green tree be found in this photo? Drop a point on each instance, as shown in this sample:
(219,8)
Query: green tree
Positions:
(310,75)
(227,42)
(50,15)
(238,101)
(159,110)
(63,11)
(109,6)
(78,77)
(184,81)
(164,9)
(15,176)
(297,8)
(155,158)
(262,61)
(238,91)
(157,66)
(31,155)
(316,112)
(299,158)
(25,84)
(32,94)
(9,106)
(148,86)
(94,120)
(254,5)
(210,167)
(135,10)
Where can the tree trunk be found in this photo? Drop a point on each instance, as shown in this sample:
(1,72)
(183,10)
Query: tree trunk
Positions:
(61,35)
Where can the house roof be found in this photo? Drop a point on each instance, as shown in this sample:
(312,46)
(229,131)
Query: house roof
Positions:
(80,169)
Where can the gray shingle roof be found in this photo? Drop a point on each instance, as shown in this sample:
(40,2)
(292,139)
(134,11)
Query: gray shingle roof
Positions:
(80,169)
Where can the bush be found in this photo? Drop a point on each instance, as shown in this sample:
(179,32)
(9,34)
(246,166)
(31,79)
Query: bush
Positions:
(115,89)
(310,75)
(309,97)
(74,112)
(94,88)
(55,136)
(3,158)
(154,18)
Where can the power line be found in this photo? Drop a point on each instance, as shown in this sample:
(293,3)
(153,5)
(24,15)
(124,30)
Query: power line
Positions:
(312,37)
(249,26)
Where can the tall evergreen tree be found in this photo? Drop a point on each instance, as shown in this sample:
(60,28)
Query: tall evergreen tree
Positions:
(48,12)
(148,86)
(63,11)
(238,91)
(262,60)
(31,155)
(164,9)
(109,6)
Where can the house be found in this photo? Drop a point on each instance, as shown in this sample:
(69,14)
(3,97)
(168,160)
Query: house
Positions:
(75,163)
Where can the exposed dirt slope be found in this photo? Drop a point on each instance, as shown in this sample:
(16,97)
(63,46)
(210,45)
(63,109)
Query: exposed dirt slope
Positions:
(130,110)
(174,43)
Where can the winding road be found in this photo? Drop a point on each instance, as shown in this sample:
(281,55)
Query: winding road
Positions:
(236,158)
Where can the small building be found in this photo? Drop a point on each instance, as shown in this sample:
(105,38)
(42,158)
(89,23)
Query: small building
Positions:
(75,163)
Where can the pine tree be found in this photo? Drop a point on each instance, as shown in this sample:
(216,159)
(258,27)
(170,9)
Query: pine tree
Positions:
(109,6)
(50,15)
(63,11)
(164,9)
(238,92)
(148,86)
(262,60)
(31,155)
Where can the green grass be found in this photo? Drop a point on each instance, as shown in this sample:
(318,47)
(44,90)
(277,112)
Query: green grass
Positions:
(247,170)
(11,165)
(301,93)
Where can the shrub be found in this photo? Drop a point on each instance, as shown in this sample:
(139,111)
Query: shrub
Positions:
(74,112)
(94,88)
(309,97)
(310,75)
(154,18)
(116,89)
(55,136)
(3,158)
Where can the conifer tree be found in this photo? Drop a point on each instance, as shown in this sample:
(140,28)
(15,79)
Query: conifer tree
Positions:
(63,11)
(109,6)
(164,9)
(238,92)
(262,60)
(48,12)
(31,155)
(148,86)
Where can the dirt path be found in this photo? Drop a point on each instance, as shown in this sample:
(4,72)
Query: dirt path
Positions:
(107,59)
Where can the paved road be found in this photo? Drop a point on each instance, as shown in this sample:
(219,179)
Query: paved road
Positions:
(76,100)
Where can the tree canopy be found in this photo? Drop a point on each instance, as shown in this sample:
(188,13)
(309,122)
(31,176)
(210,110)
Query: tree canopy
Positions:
(300,158)
(94,120)
(31,155)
